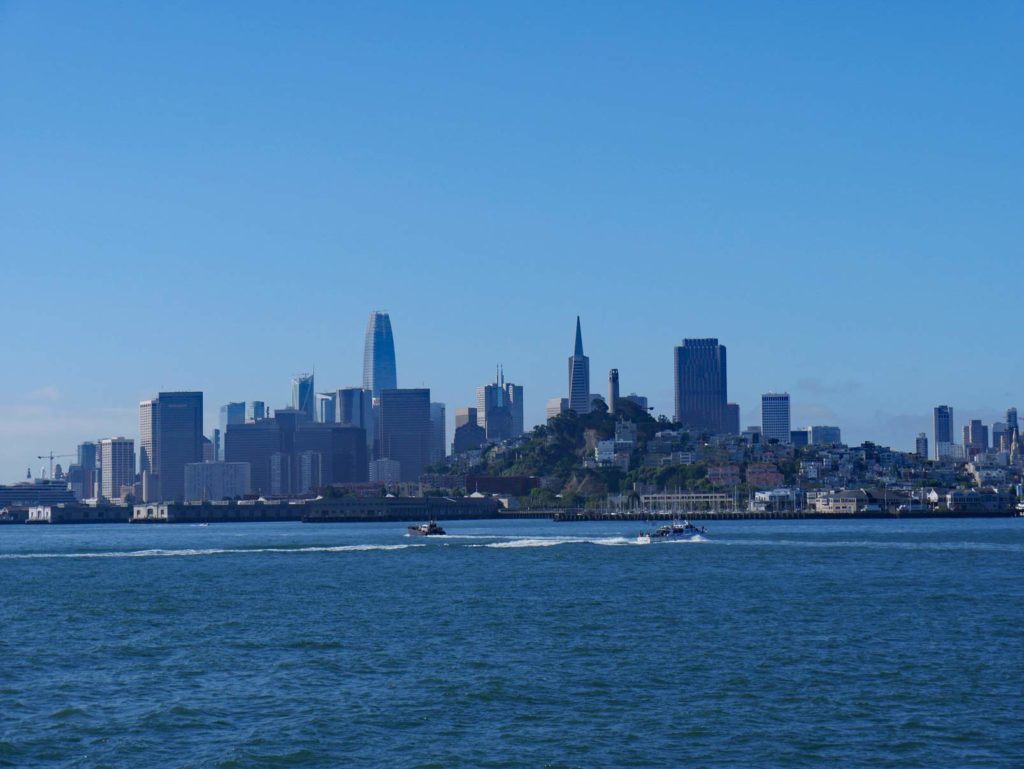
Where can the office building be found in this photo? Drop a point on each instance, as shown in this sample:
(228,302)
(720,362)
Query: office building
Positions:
(464,416)
(87,463)
(469,436)
(496,411)
(386,471)
(327,407)
(379,368)
(921,446)
(230,414)
(975,438)
(170,437)
(1011,421)
(403,430)
(310,471)
(209,452)
(639,400)
(825,435)
(117,467)
(355,409)
(942,427)
(213,481)
(579,375)
(273,448)
(731,424)
(304,395)
(1000,436)
(438,443)
(701,386)
(799,438)
(556,407)
(257,410)
(775,424)
(613,390)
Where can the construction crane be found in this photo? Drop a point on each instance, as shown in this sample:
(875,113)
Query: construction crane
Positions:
(51,456)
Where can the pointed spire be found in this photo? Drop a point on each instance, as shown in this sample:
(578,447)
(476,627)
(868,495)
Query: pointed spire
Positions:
(579,339)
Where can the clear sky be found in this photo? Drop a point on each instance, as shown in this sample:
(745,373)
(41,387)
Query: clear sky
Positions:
(214,196)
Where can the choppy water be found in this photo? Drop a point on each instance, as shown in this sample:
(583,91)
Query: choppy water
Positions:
(513,644)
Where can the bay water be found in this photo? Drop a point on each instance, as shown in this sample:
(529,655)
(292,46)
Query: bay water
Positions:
(513,644)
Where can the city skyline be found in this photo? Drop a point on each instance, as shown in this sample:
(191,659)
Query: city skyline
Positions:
(807,216)
(234,412)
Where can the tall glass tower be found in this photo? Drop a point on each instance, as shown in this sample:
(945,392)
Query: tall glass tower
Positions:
(304,395)
(379,372)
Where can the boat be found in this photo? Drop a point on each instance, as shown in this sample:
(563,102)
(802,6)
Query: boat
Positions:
(671,532)
(430,529)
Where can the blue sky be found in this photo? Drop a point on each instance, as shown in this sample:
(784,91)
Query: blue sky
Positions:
(214,196)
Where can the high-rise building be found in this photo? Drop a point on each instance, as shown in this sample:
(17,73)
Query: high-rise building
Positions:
(230,414)
(257,410)
(799,438)
(731,425)
(438,444)
(825,435)
(701,385)
(87,467)
(556,407)
(579,375)
(1011,420)
(171,436)
(355,409)
(639,400)
(117,466)
(921,446)
(272,448)
(775,424)
(469,436)
(499,408)
(327,407)
(304,395)
(379,368)
(975,437)
(613,390)
(216,480)
(403,430)
(942,427)
(1000,436)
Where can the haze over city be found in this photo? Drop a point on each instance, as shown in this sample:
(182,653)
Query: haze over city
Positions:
(200,199)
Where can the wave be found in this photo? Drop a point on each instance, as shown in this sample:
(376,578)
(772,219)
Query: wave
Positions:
(1002,547)
(552,541)
(189,552)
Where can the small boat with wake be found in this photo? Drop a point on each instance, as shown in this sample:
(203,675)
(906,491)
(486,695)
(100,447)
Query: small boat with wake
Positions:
(431,529)
(672,532)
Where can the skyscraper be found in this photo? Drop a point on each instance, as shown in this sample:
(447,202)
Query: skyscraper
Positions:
(230,414)
(257,410)
(701,385)
(942,428)
(327,407)
(117,466)
(775,422)
(355,408)
(403,430)
(975,437)
(379,368)
(579,376)
(1011,420)
(438,447)
(500,408)
(731,425)
(87,465)
(171,436)
(613,390)
(921,446)
(304,395)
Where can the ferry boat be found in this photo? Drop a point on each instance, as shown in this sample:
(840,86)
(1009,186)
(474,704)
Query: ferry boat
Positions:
(426,530)
(671,532)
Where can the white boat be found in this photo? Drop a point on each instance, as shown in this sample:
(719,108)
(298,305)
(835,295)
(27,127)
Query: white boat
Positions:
(672,532)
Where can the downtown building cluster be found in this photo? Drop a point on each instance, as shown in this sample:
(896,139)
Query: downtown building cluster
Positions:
(379,436)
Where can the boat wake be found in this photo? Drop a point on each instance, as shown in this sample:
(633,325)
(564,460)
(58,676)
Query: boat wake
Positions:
(192,552)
